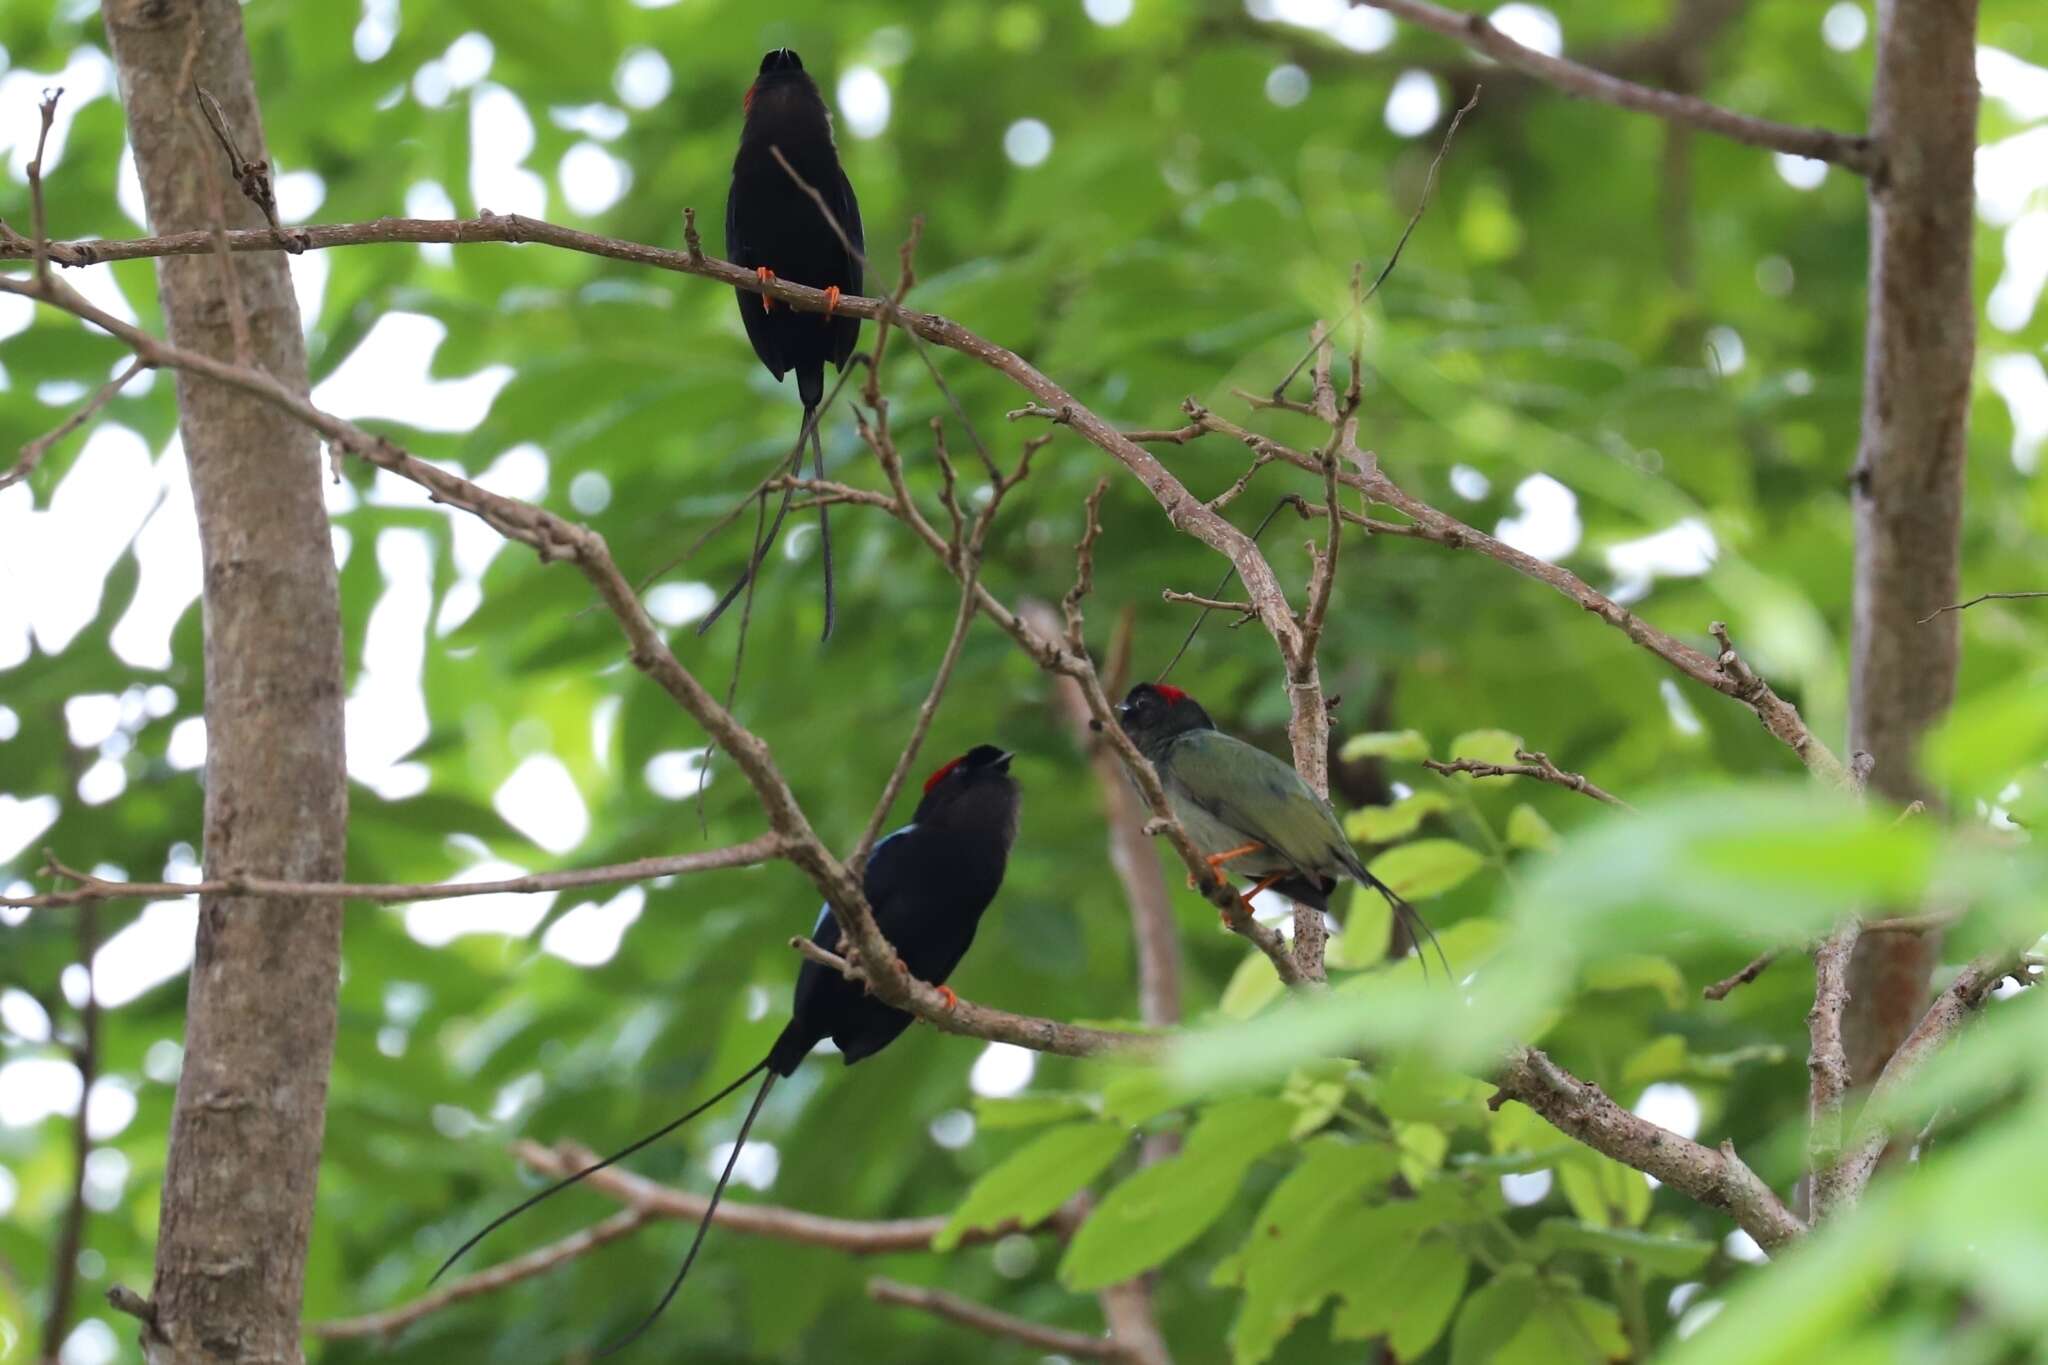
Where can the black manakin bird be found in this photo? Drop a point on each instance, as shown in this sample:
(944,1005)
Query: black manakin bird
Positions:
(775,229)
(928,884)
(1245,808)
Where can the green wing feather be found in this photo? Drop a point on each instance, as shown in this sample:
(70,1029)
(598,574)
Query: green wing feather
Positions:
(1219,771)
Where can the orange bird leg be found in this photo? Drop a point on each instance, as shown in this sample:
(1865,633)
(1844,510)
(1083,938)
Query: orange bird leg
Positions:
(1217,860)
(831,300)
(764,275)
(946,994)
(1231,855)
(1244,902)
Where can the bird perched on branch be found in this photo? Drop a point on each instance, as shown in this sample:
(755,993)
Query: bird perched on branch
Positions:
(1247,810)
(928,884)
(776,229)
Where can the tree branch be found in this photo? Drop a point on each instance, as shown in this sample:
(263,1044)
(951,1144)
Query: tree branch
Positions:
(1718,1179)
(86,1056)
(1532,763)
(859,1237)
(1954,606)
(1828,1064)
(502,1276)
(1131,853)
(989,1322)
(1858,154)
(1848,1178)
(998,1026)
(32,454)
(1727,676)
(91,889)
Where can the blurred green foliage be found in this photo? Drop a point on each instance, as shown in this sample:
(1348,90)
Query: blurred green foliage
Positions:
(1341,1176)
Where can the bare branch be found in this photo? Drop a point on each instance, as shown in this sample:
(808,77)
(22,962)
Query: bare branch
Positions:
(1853,153)
(1756,968)
(91,889)
(1532,763)
(856,1236)
(1982,597)
(39,222)
(32,454)
(86,1056)
(989,1322)
(1358,298)
(536,1262)
(1828,1064)
(1944,1019)
(979,1021)
(1131,854)
(1718,1179)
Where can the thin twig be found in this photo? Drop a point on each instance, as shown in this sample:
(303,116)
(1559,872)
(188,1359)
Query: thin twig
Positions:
(989,1322)
(1981,597)
(32,454)
(536,1262)
(1532,763)
(39,222)
(1851,152)
(1756,968)
(91,889)
(1358,300)
(86,1057)
(859,1237)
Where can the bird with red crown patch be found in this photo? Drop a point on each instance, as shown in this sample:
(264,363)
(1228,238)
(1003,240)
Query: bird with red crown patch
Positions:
(928,885)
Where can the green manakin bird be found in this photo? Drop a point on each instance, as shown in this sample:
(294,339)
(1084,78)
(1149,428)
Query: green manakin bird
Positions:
(928,884)
(1246,809)
(775,229)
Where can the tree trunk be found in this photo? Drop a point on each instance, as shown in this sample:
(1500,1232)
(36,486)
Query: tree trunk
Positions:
(1920,342)
(246,1132)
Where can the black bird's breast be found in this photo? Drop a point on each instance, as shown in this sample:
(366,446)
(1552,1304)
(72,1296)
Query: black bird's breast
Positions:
(771,222)
(928,889)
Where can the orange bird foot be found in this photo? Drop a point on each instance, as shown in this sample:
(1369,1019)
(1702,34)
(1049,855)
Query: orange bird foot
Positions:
(765,275)
(1230,855)
(946,994)
(831,299)
(1244,902)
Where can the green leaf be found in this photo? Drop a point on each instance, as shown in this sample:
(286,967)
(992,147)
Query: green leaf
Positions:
(1029,1111)
(1384,824)
(1241,1130)
(1659,1058)
(1253,986)
(1363,941)
(1284,1264)
(1673,1256)
(1637,971)
(1404,745)
(1603,1192)
(1407,1294)
(1566,1327)
(1037,1178)
(1528,829)
(1427,868)
(1149,1217)
(1487,746)
(1494,1316)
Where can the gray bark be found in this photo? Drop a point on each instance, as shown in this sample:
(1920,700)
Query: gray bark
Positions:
(1920,343)
(260,1020)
